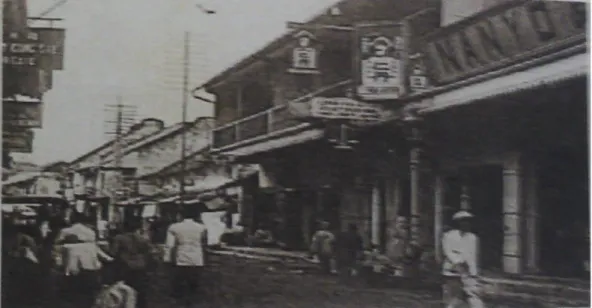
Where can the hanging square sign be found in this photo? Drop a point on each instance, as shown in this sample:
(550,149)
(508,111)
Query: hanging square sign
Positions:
(380,61)
(305,55)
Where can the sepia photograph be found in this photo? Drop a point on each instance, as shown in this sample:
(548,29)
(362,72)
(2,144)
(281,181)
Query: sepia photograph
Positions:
(295,153)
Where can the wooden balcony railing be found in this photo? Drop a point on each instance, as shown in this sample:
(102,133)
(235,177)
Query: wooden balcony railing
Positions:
(269,121)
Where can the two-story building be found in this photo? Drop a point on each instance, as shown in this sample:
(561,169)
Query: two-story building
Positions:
(491,118)
(308,170)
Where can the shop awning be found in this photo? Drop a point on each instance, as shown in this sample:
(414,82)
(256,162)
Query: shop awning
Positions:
(561,70)
(279,142)
(210,182)
(168,199)
(132,201)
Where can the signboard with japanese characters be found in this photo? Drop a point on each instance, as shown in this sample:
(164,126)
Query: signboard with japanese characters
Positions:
(22,114)
(18,141)
(380,61)
(344,108)
(418,80)
(305,54)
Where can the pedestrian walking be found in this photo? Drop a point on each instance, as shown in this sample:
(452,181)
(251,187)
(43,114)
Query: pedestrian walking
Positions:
(350,248)
(82,259)
(134,259)
(459,268)
(185,251)
(322,246)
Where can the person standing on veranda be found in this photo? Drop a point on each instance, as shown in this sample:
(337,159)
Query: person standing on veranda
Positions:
(460,266)
(185,251)
(323,246)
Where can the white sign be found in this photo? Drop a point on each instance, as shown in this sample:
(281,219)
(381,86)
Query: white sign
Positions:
(304,55)
(345,108)
(380,61)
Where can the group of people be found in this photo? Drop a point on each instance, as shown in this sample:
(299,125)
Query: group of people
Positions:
(459,265)
(90,273)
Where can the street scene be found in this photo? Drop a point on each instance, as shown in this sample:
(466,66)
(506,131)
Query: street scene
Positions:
(295,153)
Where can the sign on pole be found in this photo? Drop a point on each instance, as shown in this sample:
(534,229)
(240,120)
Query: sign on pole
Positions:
(18,141)
(39,47)
(380,51)
(22,114)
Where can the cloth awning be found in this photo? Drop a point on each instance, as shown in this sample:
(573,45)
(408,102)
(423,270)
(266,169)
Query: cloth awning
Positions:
(561,70)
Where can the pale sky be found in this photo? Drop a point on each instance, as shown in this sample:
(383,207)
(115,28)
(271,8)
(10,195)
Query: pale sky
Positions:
(134,48)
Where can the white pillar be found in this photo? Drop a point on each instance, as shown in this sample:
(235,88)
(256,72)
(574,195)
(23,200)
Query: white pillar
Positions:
(376,215)
(438,215)
(512,208)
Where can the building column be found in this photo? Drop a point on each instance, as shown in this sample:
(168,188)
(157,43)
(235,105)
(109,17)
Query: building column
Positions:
(465,197)
(532,220)
(512,209)
(438,215)
(376,215)
(414,161)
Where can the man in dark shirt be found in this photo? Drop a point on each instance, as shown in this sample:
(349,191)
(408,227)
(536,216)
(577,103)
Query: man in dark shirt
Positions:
(349,249)
(133,255)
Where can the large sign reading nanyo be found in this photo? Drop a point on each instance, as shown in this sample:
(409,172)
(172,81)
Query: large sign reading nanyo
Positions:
(380,61)
(503,36)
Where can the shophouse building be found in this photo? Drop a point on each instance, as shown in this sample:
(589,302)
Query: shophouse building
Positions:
(490,117)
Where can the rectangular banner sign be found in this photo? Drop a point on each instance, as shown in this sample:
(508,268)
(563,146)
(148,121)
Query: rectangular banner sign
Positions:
(42,48)
(22,114)
(380,60)
(502,36)
(343,108)
(18,141)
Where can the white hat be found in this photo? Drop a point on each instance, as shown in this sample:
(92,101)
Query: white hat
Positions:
(462,215)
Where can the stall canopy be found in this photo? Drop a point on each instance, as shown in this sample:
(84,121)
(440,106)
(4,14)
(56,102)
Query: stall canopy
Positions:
(210,182)
(132,201)
(168,199)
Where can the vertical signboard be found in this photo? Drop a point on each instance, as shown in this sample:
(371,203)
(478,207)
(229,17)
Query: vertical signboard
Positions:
(22,114)
(380,51)
(29,58)
(305,54)
(18,141)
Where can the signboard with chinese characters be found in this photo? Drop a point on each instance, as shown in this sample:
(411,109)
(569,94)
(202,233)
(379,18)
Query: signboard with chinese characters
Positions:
(418,80)
(22,114)
(305,54)
(504,35)
(18,141)
(380,60)
(344,108)
(42,48)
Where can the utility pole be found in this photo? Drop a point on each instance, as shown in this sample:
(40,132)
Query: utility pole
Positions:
(184,118)
(124,117)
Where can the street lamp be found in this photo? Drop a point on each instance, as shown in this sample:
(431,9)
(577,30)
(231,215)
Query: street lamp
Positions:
(184,106)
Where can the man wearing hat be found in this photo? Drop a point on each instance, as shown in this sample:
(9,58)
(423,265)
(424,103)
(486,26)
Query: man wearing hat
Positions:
(459,267)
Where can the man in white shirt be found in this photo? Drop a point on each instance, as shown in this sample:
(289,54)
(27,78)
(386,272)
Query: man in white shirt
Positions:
(82,258)
(460,268)
(185,250)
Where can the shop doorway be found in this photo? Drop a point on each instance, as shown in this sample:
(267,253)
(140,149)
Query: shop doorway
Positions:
(485,188)
(564,206)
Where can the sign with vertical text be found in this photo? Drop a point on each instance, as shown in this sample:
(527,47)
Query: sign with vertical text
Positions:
(305,55)
(380,60)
